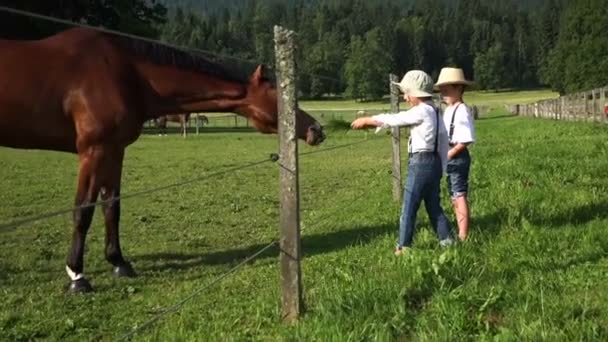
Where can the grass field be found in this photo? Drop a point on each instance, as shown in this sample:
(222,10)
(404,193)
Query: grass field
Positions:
(535,268)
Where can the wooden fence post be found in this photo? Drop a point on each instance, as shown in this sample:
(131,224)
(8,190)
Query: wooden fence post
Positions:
(577,106)
(396,140)
(583,104)
(570,109)
(572,105)
(596,110)
(603,103)
(290,245)
(589,105)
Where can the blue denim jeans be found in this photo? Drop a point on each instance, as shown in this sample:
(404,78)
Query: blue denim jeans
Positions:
(458,174)
(423,183)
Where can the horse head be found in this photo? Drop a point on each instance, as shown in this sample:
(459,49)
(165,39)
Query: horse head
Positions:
(260,106)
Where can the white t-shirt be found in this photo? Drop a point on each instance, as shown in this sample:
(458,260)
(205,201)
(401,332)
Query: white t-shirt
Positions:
(423,122)
(464,131)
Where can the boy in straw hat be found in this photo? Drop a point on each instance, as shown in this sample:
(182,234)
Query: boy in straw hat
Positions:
(461,132)
(427,148)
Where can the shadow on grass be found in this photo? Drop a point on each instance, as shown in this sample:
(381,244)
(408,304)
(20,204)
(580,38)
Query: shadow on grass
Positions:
(489,223)
(574,216)
(311,245)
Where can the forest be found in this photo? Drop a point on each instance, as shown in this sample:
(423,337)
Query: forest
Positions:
(347,47)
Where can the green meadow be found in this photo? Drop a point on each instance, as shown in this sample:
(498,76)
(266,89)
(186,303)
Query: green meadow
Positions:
(535,267)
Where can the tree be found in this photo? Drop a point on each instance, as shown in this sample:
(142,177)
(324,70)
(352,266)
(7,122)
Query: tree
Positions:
(141,17)
(354,71)
(490,69)
(185,29)
(325,59)
(408,34)
(367,67)
(578,61)
(546,32)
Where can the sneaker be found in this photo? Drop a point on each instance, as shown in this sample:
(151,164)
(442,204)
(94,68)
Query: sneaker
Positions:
(446,242)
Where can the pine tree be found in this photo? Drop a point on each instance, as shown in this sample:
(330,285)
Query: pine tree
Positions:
(490,69)
(578,61)
(367,67)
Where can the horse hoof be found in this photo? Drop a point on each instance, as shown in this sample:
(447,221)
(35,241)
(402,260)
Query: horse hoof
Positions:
(80,286)
(124,270)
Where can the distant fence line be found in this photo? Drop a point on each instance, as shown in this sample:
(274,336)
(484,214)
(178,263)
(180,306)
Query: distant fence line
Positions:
(586,106)
(237,121)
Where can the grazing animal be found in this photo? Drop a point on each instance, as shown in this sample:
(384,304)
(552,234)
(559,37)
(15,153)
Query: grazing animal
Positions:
(182,119)
(87,92)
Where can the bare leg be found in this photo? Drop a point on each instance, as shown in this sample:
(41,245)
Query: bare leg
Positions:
(461,208)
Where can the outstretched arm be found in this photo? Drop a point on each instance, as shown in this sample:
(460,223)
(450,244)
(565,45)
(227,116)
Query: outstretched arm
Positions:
(363,122)
(407,118)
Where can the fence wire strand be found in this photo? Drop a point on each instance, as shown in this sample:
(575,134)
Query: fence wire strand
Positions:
(19,222)
(337,147)
(177,306)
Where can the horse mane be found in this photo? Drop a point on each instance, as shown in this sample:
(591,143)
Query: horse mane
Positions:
(182,59)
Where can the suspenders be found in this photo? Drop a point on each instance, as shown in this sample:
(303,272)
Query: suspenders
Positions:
(436,149)
(436,130)
(452,122)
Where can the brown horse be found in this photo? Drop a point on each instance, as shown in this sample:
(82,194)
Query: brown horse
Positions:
(182,119)
(89,93)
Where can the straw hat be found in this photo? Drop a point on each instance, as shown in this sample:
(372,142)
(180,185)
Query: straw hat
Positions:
(452,76)
(416,83)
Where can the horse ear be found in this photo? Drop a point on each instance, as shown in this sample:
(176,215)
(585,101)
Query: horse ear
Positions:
(258,75)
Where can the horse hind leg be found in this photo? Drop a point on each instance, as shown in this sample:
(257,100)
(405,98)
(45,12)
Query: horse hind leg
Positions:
(88,189)
(112,169)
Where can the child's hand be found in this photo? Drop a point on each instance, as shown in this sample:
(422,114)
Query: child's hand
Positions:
(360,123)
(451,154)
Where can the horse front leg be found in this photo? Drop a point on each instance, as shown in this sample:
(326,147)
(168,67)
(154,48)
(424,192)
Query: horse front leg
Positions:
(111,211)
(87,192)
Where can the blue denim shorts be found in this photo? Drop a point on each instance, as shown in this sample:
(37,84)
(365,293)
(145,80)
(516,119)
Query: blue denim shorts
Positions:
(458,174)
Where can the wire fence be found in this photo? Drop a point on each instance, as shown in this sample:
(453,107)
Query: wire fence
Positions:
(178,305)
(9,226)
(19,222)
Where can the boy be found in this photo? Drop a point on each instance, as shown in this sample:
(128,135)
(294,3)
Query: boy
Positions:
(427,148)
(459,123)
